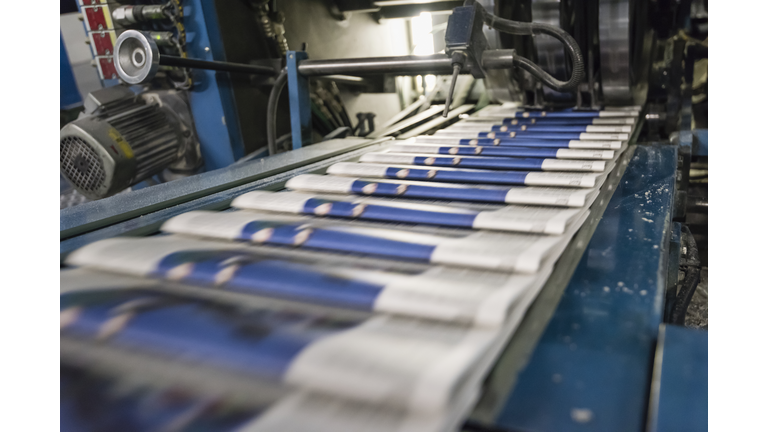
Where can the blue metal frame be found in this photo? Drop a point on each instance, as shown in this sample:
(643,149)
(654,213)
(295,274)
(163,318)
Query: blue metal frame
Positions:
(69,94)
(300,105)
(592,368)
(679,400)
(211,99)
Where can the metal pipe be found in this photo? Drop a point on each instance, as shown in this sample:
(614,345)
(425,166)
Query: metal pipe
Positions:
(498,59)
(137,59)
(436,64)
(166,60)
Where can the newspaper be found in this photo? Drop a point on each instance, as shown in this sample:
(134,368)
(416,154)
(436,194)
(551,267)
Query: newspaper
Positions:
(512,140)
(442,293)
(549,121)
(394,361)
(502,151)
(564,197)
(94,402)
(530,219)
(510,112)
(500,163)
(439,174)
(542,126)
(477,249)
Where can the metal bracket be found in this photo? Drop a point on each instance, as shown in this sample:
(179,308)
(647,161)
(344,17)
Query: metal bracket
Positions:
(300,105)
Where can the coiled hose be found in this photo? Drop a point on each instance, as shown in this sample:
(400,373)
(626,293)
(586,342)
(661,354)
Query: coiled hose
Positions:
(274,98)
(531,29)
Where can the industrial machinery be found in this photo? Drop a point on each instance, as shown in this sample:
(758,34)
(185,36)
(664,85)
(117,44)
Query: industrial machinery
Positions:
(499,253)
(123,139)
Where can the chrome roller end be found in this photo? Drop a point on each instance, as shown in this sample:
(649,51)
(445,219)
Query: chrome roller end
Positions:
(136,57)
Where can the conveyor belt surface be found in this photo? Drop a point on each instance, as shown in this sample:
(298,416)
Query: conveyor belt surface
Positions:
(376,296)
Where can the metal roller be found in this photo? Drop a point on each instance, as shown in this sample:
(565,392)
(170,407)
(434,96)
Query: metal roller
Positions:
(624,51)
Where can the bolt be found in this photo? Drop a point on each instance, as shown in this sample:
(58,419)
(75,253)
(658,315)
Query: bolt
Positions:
(206,49)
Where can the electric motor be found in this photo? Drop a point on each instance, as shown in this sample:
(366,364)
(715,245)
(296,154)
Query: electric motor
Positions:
(126,139)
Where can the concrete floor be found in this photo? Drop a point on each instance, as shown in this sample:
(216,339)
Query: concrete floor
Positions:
(697,315)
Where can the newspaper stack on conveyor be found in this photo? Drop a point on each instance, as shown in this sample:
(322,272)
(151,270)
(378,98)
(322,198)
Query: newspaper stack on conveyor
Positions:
(375,297)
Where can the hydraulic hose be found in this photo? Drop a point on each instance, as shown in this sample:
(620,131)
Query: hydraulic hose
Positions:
(531,29)
(692,265)
(274,98)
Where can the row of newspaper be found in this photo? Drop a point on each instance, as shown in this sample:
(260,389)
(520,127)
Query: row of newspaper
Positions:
(375,297)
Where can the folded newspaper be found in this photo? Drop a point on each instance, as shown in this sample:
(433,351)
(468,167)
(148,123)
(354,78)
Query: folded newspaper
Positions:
(564,197)
(503,151)
(501,163)
(541,127)
(547,121)
(530,219)
(517,113)
(509,140)
(507,177)
(395,361)
(465,248)
(99,402)
(457,295)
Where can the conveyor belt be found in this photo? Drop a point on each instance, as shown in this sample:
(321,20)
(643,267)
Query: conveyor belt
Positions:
(425,256)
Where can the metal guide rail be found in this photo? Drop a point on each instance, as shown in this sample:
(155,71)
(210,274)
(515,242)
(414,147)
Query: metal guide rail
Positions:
(390,285)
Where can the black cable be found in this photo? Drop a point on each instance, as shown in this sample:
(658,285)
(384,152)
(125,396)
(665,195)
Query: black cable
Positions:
(274,98)
(532,29)
(692,266)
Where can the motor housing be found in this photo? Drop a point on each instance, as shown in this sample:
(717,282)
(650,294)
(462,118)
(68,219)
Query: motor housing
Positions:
(120,140)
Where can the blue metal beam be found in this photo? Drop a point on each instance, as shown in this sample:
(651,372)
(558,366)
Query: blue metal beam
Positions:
(592,368)
(211,100)
(679,399)
(298,94)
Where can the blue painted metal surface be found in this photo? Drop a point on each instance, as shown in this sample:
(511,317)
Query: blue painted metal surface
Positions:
(679,400)
(592,368)
(68,92)
(211,99)
(700,142)
(298,95)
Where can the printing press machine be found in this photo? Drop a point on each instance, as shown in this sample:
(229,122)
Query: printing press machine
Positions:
(593,343)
